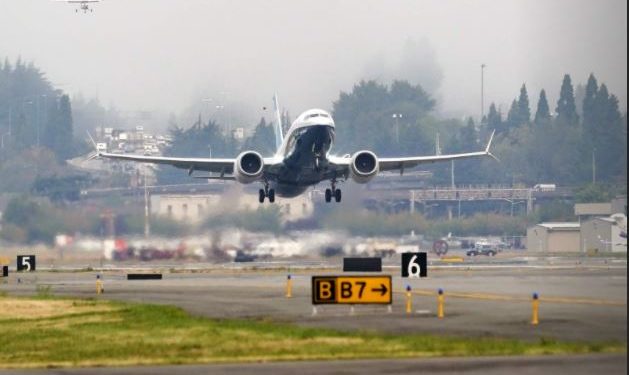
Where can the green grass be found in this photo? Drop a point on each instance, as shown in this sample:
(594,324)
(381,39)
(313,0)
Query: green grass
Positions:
(116,333)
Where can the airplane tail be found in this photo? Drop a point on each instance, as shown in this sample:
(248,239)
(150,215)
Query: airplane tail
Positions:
(279,136)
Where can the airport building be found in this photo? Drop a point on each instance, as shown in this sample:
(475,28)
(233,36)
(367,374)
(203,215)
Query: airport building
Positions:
(194,208)
(600,234)
(554,237)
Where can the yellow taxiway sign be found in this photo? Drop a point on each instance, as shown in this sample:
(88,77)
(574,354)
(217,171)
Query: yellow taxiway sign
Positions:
(351,290)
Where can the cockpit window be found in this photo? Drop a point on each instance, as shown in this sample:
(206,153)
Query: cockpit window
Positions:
(317,115)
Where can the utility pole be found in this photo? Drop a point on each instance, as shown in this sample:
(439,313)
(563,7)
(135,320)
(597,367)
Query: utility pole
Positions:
(452,174)
(594,166)
(147,224)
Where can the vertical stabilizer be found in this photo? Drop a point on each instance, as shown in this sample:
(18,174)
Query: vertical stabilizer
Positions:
(279,136)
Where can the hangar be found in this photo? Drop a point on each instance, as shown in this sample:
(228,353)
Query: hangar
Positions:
(553,237)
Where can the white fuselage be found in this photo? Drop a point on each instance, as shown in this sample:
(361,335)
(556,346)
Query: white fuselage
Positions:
(304,153)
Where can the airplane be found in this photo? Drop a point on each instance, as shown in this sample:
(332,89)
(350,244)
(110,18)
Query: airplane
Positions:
(83,4)
(302,160)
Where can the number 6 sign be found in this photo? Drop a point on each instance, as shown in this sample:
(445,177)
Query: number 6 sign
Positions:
(26,263)
(414,265)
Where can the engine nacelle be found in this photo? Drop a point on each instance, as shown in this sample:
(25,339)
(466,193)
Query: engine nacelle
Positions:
(248,167)
(364,166)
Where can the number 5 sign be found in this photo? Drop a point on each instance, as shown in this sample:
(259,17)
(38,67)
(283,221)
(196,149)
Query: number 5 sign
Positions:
(26,263)
(414,265)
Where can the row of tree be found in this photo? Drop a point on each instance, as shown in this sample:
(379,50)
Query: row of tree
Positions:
(33,113)
(580,140)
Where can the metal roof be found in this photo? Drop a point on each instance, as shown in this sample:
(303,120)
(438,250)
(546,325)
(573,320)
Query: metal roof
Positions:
(560,226)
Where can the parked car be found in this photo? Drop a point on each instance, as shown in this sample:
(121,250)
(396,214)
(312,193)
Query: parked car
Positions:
(482,249)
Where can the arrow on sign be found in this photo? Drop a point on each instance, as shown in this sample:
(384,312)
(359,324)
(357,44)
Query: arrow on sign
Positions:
(383,289)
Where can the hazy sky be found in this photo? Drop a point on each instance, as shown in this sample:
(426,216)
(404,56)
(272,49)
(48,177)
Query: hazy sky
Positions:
(169,54)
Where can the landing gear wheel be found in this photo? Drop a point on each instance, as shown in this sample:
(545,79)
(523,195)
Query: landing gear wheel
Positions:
(328,195)
(261,196)
(271,195)
(337,195)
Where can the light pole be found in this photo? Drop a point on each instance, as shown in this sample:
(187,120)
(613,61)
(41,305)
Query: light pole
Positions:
(513,203)
(396,117)
(207,102)
(2,139)
(482,93)
(220,107)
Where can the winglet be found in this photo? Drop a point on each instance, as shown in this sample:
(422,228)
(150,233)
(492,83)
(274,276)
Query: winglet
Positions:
(279,137)
(491,138)
(96,152)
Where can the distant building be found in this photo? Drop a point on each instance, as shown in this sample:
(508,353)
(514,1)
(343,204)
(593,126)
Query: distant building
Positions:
(553,237)
(586,211)
(600,234)
(195,207)
(186,207)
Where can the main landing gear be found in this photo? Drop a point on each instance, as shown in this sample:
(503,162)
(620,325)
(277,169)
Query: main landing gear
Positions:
(329,193)
(266,193)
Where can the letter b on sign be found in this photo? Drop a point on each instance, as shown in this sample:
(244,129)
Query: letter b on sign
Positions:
(414,265)
(346,289)
(324,290)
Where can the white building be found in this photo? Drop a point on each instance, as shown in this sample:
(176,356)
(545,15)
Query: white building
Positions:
(195,207)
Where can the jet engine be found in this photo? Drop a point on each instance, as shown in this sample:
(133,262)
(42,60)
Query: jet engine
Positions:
(364,166)
(248,167)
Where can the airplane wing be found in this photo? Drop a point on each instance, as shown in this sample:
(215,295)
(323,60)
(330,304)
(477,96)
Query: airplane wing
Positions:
(222,166)
(401,163)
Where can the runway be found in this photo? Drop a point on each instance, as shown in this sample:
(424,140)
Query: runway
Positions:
(574,365)
(576,304)
(586,302)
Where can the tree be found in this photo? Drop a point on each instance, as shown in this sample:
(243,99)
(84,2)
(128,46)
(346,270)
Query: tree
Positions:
(589,105)
(365,118)
(494,118)
(524,110)
(25,114)
(263,139)
(58,133)
(566,108)
(60,189)
(542,115)
(605,135)
(36,219)
(200,140)
(513,117)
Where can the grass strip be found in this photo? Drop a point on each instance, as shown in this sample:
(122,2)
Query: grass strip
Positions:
(104,333)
